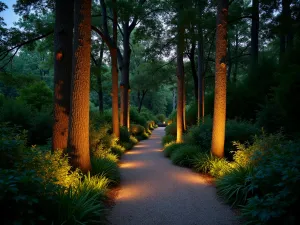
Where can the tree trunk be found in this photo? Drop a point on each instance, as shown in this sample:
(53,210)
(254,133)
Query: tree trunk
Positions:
(63,48)
(180,75)
(114,72)
(219,118)
(140,99)
(78,141)
(99,79)
(200,103)
(286,37)
(193,67)
(254,35)
(125,77)
(234,77)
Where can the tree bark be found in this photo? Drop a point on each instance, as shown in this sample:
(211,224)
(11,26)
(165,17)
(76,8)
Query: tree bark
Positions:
(254,35)
(63,48)
(219,118)
(180,75)
(193,67)
(114,72)
(78,141)
(200,103)
(99,79)
(140,99)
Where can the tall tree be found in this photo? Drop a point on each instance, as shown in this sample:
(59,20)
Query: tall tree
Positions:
(180,72)
(254,35)
(63,48)
(219,118)
(78,140)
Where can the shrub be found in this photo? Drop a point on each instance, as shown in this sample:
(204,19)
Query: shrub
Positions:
(41,128)
(233,187)
(184,155)
(16,112)
(275,181)
(81,204)
(171,147)
(100,138)
(127,145)
(167,139)
(12,144)
(161,118)
(136,129)
(118,150)
(207,163)
(133,140)
(107,168)
(98,119)
(171,129)
(191,114)
(124,134)
(37,95)
(52,167)
(136,118)
(25,199)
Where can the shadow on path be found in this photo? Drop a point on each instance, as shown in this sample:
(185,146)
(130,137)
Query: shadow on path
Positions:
(155,192)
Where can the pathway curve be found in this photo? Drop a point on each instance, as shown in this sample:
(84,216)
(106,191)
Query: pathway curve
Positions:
(155,192)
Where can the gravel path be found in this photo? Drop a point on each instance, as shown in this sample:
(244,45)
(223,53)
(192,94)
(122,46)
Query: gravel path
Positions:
(155,192)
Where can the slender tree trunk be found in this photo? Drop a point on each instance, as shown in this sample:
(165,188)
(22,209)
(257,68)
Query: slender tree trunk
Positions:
(174,98)
(219,118)
(193,67)
(114,72)
(234,77)
(254,35)
(285,30)
(180,75)
(121,105)
(99,80)
(63,48)
(78,141)
(200,72)
(125,77)
(141,99)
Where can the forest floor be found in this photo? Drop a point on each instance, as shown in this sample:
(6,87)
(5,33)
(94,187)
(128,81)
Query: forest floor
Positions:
(155,192)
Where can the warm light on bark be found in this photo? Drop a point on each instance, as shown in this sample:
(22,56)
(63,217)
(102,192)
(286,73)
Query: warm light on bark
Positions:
(219,118)
(78,141)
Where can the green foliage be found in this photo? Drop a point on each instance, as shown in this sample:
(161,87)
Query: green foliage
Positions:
(52,167)
(137,130)
(118,150)
(171,147)
(171,129)
(207,163)
(101,138)
(107,168)
(127,145)
(167,139)
(124,134)
(12,144)
(82,204)
(233,187)
(41,128)
(16,112)
(191,114)
(37,95)
(235,131)
(25,199)
(137,118)
(98,119)
(184,155)
(133,140)
(161,118)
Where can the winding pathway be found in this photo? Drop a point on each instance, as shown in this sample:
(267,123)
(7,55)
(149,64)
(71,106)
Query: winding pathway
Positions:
(155,192)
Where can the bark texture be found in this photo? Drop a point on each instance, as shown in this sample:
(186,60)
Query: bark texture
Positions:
(180,75)
(63,48)
(115,91)
(78,141)
(200,103)
(219,118)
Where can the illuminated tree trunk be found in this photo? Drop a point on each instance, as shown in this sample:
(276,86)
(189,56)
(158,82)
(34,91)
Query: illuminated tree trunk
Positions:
(63,48)
(78,141)
(180,75)
(128,111)
(219,118)
(115,91)
(121,105)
